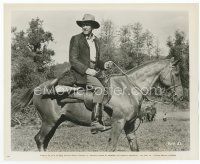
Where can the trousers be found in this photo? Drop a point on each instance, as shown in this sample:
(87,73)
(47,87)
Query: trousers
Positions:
(94,84)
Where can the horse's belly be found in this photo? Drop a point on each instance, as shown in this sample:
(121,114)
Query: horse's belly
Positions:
(77,111)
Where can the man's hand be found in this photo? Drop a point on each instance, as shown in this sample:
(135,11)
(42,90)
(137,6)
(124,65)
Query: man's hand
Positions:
(91,72)
(108,64)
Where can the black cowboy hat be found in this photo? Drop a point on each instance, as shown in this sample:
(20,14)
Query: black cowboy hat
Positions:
(90,19)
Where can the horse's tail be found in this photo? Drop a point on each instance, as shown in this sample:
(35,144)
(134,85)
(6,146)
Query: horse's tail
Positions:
(27,97)
(25,100)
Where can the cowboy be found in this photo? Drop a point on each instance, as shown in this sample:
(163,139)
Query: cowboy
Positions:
(84,57)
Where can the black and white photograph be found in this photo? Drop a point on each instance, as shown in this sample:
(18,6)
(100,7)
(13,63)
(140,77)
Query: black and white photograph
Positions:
(102,78)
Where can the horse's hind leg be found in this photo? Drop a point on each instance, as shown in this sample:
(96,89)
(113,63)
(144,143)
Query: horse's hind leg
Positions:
(46,133)
(117,127)
(131,136)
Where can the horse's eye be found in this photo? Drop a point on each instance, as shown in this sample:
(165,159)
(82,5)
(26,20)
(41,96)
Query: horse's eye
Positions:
(176,73)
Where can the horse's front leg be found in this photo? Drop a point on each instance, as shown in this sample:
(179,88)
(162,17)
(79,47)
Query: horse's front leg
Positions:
(117,127)
(132,139)
(131,136)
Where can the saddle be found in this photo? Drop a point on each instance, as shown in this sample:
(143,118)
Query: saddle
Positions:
(66,91)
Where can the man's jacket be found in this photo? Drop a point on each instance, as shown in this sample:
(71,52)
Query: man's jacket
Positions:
(79,57)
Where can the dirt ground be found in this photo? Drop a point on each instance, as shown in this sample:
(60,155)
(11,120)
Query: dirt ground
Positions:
(159,135)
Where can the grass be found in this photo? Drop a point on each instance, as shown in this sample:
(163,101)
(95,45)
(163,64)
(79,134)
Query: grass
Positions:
(171,135)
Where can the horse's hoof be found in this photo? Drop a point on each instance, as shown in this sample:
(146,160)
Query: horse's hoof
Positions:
(105,129)
(93,131)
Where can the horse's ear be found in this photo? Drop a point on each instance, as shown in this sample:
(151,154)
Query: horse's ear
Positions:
(172,59)
(176,62)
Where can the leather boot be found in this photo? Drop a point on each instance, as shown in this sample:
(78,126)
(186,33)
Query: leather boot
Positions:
(96,119)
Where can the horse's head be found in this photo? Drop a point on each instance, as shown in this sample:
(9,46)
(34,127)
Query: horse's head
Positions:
(170,79)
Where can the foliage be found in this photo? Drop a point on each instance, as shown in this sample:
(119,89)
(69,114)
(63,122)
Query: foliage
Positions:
(157,49)
(128,46)
(179,49)
(31,59)
(137,44)
(149,43)
(30,55)
(107,40)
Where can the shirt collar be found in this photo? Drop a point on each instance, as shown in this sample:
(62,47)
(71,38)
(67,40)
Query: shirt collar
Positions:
(92,37)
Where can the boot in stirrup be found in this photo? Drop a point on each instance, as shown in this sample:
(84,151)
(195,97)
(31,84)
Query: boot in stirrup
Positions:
(96,117)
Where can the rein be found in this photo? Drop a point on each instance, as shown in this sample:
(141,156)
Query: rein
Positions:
(133,83)
(139,89)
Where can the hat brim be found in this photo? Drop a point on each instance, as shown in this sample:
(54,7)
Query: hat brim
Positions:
(94,24)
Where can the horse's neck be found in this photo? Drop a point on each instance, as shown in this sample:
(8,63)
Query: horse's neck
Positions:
(146,76)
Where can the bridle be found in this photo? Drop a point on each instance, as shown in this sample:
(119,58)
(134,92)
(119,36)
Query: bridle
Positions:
(145,96)
(173,87)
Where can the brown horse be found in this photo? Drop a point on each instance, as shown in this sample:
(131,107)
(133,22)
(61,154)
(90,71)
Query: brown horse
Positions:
(123,107)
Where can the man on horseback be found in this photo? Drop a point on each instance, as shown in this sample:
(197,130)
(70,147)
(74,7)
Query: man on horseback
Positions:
(84,57)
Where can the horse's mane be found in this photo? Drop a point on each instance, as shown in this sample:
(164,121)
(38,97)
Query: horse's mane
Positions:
(134,69)
(143,65)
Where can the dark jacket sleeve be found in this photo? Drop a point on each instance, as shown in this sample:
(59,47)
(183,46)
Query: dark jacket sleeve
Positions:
(100,64)
(73,57)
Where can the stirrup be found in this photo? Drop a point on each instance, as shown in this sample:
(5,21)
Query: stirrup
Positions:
(95,130)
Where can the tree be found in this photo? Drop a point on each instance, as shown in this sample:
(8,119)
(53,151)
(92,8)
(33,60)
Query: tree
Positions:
(157,49)
(107,39)
(139,38)
(107,36)
(132,43)
(126,46)
(38,41)
(179,49)
(30,55)
(107,32)
(176,44)
(149,44)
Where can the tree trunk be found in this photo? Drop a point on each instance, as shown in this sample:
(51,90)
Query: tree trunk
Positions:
(183,56)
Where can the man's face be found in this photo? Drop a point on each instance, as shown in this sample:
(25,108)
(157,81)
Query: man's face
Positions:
(87,28)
